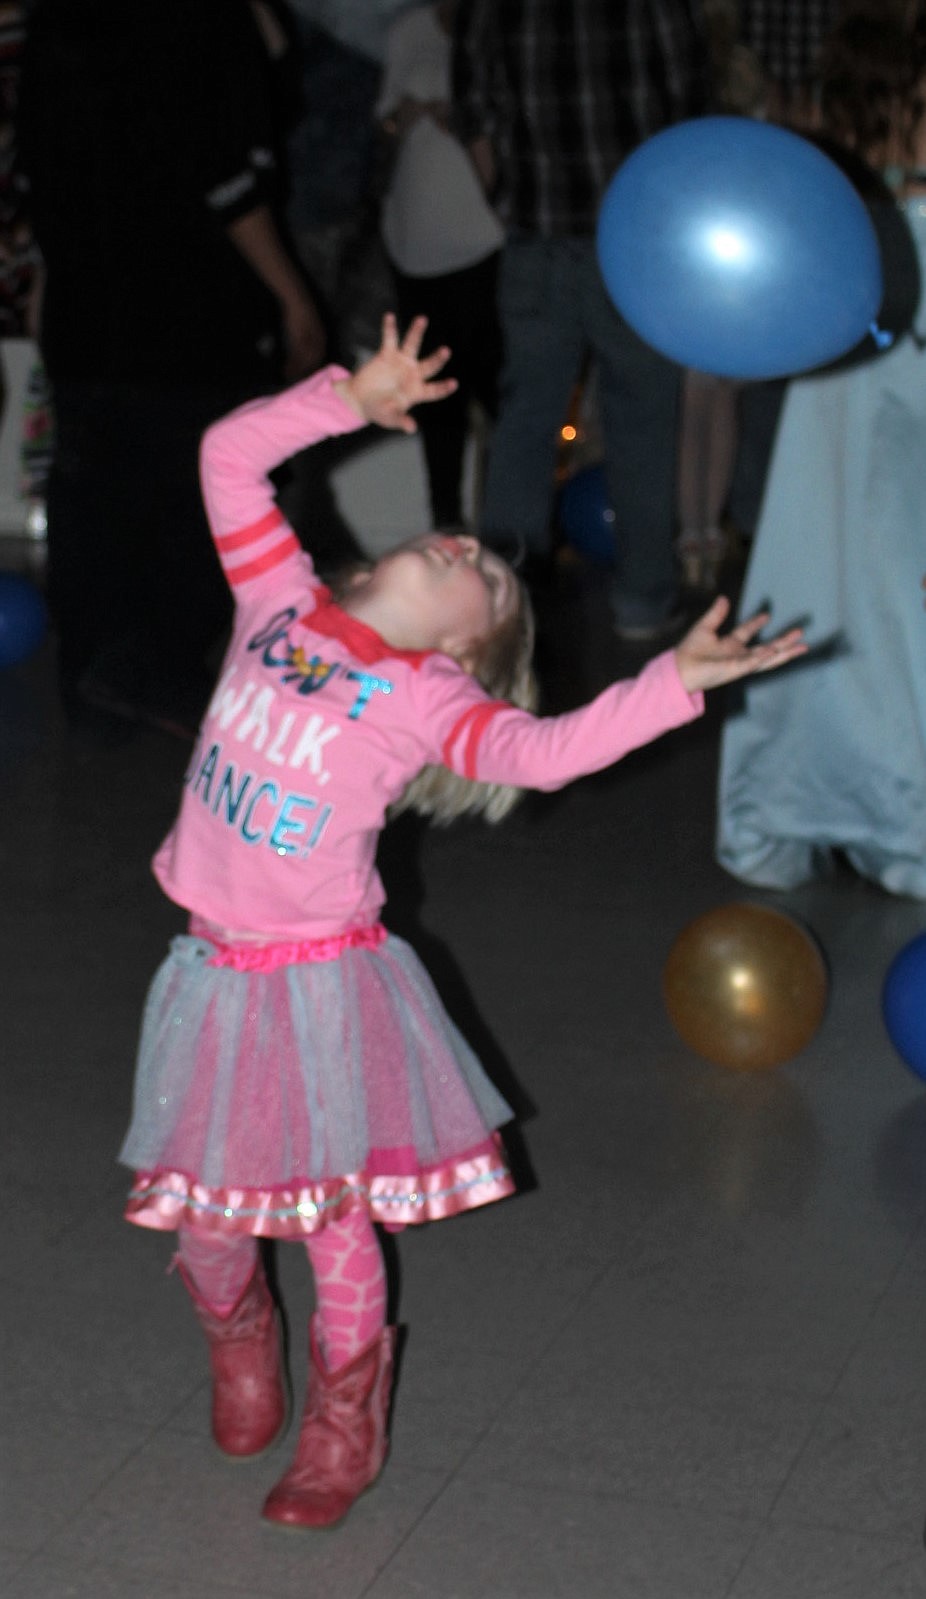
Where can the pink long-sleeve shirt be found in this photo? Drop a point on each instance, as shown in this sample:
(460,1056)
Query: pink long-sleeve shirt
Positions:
(317,724)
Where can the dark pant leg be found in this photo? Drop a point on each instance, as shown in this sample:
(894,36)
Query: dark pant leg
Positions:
(135,586)
(189,602)
(95,535)
(461,312)
(543,342)
(639,396)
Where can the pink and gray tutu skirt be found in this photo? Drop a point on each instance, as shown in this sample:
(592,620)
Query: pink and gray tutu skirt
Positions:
(330,1078)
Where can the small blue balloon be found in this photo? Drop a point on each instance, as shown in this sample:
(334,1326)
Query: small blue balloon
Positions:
(585,515)
(903,1004)
(23,618)
(739,248)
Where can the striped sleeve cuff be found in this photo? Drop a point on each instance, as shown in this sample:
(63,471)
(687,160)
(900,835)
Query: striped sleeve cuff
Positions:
(461,746)
(250,552)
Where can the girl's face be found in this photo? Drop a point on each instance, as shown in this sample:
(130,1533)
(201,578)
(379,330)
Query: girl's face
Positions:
(453,592)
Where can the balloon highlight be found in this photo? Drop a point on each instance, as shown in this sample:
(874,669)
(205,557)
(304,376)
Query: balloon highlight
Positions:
(745,987)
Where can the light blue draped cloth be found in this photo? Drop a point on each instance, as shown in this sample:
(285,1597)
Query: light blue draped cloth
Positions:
(831,753)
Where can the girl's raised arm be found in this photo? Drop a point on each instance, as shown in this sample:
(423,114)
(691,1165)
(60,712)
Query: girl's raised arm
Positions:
(251,534)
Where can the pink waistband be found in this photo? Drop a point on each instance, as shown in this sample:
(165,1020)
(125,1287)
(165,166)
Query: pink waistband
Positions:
(268,957)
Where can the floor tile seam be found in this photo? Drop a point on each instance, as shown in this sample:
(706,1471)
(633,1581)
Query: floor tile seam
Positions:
(708,1401)
(80,1510)
(762,1522)
(825,1524)
(543,1348)
(453,1474)
(112,1418)
(868,1320)
(76,1412)
(760,1532)
(550,1482)
(602,1497)
(409,1534)
(271,1536)
(165,1425)
(902,1564)
(23,1557)
(866,1323)
(801,1452)
(121,1567)
(628,1498)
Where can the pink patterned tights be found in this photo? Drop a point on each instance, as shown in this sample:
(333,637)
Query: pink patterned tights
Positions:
(350,1279)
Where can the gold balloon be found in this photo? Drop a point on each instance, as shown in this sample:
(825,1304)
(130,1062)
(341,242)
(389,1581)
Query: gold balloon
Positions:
(745,987)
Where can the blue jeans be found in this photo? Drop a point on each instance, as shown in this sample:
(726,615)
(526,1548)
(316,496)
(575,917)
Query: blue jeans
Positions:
(554,308)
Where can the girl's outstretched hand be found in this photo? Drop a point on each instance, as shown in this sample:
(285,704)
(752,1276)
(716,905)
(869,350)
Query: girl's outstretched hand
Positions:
(386,387)
(705,660)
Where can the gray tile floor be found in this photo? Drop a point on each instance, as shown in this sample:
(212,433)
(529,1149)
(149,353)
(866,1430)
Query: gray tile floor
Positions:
(688,1362)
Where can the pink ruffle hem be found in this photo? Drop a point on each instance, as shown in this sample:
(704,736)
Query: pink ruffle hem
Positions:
(166,1199)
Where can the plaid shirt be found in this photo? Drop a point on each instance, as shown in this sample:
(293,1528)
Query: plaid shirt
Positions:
(787,36)
(565,89)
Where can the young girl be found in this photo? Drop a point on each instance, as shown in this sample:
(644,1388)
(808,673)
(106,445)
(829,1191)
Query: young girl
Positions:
(298,1077)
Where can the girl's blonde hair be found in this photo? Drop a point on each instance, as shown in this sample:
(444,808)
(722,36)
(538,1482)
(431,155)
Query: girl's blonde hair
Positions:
(504,667)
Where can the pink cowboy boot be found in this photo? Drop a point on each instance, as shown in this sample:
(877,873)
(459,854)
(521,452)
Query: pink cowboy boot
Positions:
(248,1400)
(342,1442)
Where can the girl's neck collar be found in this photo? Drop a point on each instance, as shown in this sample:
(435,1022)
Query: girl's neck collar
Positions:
(363,641)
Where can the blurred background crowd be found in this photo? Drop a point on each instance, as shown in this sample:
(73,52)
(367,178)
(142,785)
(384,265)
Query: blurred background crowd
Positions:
(199,203)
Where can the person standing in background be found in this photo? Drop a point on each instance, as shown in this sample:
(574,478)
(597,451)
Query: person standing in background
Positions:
(836,766)
(170,295)
(787,36)
(785,39)
(17,246)
(333,159)
(550,97)
(442,238)
(709,430)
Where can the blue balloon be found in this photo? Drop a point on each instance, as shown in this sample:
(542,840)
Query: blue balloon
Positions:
(585,515)
(739,248)
(23,618)
(903,1004)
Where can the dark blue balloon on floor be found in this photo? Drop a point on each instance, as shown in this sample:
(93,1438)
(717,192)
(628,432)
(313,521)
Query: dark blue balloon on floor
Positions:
(585,515)
(23,618)
(903,1004)
(739,248)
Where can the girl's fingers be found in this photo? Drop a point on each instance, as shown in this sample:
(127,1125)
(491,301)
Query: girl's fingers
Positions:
(433,363)
(715,615)
(437,391)
(786,648)
(390,339)
(754,624)
(783,648)
(411,343)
